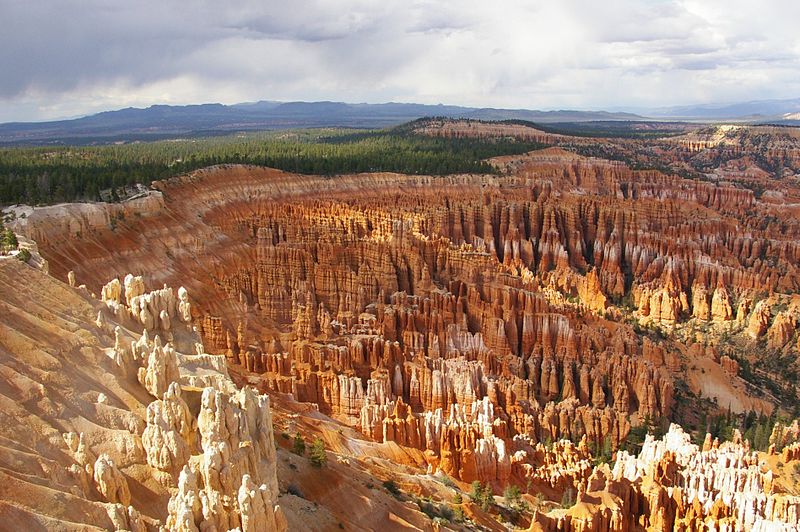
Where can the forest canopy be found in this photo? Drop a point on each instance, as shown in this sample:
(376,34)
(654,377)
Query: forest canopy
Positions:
(43,175)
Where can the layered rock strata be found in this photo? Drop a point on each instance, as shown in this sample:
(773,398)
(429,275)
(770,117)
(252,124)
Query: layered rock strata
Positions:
(401,304)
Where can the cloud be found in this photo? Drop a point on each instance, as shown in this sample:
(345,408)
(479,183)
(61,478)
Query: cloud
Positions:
(63,58)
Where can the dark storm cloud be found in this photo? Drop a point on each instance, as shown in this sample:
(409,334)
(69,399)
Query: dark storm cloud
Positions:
(62,57)
(58,46)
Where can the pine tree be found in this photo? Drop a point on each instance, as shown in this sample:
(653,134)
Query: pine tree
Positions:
(8,240)
(482,495)
(317,453)
(512,494)
(477,491)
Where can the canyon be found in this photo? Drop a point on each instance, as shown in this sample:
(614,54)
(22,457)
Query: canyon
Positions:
(507,329)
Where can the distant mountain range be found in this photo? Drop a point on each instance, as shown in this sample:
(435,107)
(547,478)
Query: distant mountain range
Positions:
(761,110)
(168,121)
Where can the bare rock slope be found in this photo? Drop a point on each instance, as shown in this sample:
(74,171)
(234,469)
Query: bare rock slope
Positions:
(104,425)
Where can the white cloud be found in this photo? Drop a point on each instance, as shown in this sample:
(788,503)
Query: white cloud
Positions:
(61,58)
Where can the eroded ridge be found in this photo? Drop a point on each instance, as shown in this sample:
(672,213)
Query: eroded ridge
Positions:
(472,320)
(123,416)
(674,484)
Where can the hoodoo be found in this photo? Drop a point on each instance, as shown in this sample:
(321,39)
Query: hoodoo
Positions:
(564,331)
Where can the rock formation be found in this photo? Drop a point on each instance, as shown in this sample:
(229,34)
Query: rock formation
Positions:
(469,321)
(674,485)
(170,435)
(232,484)
(494,289)
(161,368)
(124,469)
(110,482)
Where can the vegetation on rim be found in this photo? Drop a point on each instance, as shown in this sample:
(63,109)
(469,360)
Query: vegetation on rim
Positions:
(43,175)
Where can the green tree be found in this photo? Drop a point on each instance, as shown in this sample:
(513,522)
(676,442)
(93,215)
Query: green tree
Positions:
(317,453)
(482,495)
(512,494)
(476,491)
(8,240)
(540,499)
(605,453)
(69,173)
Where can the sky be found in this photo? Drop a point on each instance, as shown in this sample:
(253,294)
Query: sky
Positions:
(62,58)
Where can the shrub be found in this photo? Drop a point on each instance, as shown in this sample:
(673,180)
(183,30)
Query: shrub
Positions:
(439,513)
(391,487)
(447,481)
(24,255)
(427,508)
(299,445)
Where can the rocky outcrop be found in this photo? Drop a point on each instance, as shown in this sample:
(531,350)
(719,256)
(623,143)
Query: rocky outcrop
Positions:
(161,369)
(759,321)
(738,485)
(791,452)
(232,435)
(729,365)
(122,468)
(110,482)
(232,483)
(169,438)
(782,329)
(721,309)
(783,435)
(673,484)
(254,505)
